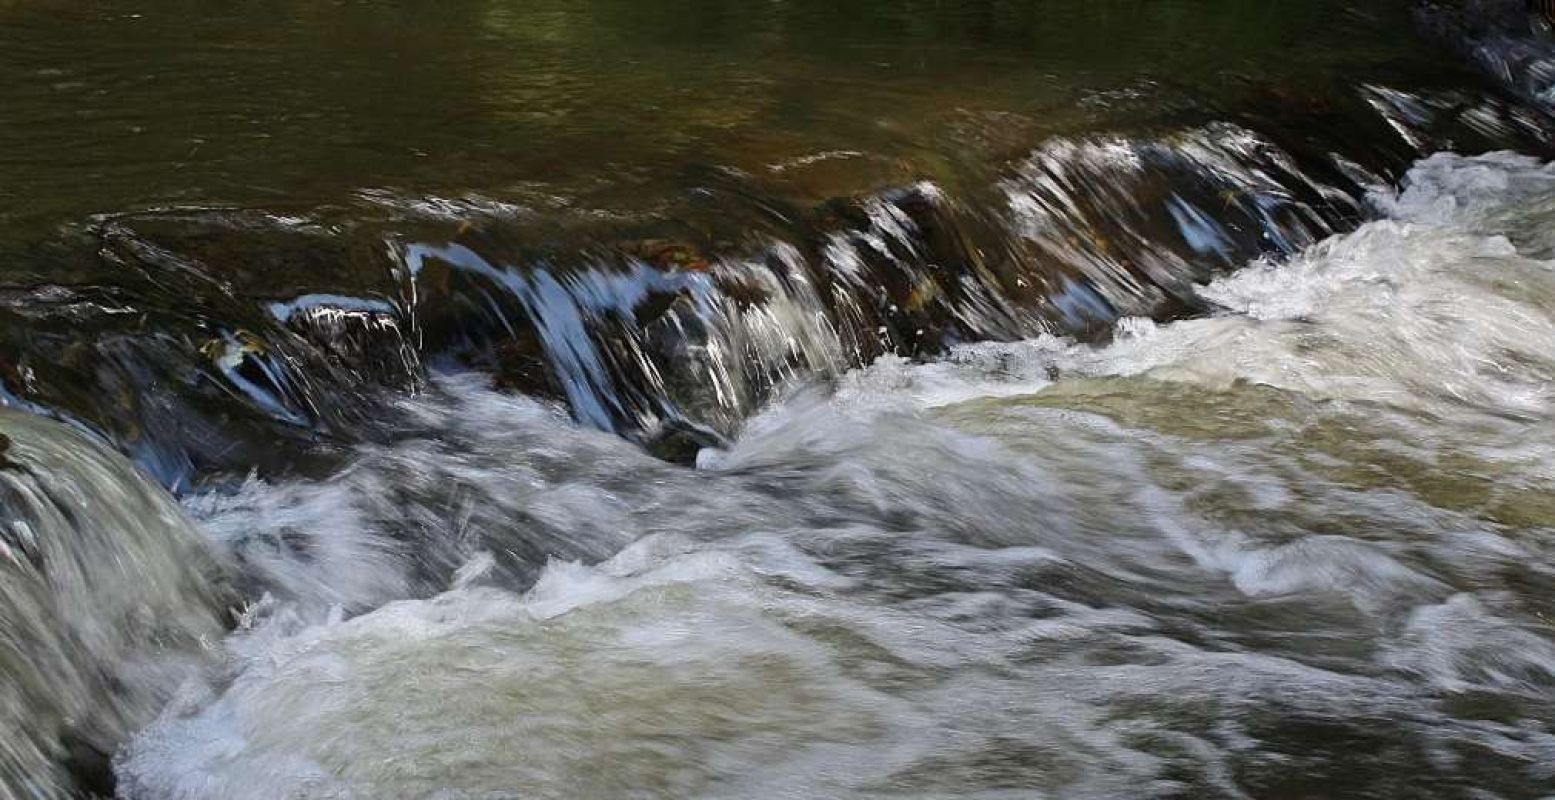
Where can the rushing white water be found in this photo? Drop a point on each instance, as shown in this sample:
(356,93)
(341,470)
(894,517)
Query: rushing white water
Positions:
(1303,547)
(106,602)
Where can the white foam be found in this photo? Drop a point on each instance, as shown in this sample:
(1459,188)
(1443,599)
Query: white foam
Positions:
(1426,311)
(1143,580)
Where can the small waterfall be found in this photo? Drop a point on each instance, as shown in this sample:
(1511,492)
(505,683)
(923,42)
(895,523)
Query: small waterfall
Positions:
(214,335)
(941,398)
(107,600)
(1089,230)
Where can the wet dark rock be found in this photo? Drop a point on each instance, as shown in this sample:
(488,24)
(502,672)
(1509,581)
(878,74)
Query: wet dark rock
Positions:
(88,767)
(369,338)
(173,368)
(208,341)
(1509,40)
(683,351)
(679,442)
(5,460)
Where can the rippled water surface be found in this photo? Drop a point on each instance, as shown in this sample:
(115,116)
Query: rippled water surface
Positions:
(607,399)
(110,107)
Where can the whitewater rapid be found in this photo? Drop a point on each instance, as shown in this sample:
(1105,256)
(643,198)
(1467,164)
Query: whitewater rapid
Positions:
(1302,546)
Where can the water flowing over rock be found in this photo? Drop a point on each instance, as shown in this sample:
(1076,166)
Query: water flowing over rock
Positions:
(223,332)
(108,600)
(923,398)
(1242,555)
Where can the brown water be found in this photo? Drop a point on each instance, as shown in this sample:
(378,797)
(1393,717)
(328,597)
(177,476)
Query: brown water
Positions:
(954,398)
(204,167)
(109,108)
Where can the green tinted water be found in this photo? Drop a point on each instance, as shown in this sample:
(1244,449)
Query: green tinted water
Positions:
(109,107)
(1292,536)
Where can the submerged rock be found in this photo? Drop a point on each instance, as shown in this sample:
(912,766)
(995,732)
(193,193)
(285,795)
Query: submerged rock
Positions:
(215,341)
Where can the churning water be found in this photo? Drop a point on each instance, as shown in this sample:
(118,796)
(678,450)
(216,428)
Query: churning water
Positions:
(817,442)
(1300,547)
(106,602)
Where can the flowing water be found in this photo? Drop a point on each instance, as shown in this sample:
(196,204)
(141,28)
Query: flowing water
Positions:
(954,399)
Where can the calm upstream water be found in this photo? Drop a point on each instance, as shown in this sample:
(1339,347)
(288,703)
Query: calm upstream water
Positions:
(633,399)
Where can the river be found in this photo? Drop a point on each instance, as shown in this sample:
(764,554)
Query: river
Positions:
(920,399)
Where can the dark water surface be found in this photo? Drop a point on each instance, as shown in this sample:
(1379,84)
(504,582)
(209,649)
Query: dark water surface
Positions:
(966,398)
(111,107)
(204,174)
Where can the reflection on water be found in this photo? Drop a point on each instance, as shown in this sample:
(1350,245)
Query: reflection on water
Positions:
(110,108)
(923,399)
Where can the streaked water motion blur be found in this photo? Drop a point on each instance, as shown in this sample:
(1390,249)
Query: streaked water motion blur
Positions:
(592,399)
(108,601)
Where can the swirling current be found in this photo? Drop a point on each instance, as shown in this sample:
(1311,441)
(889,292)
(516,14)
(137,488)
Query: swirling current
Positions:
(1200,446)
